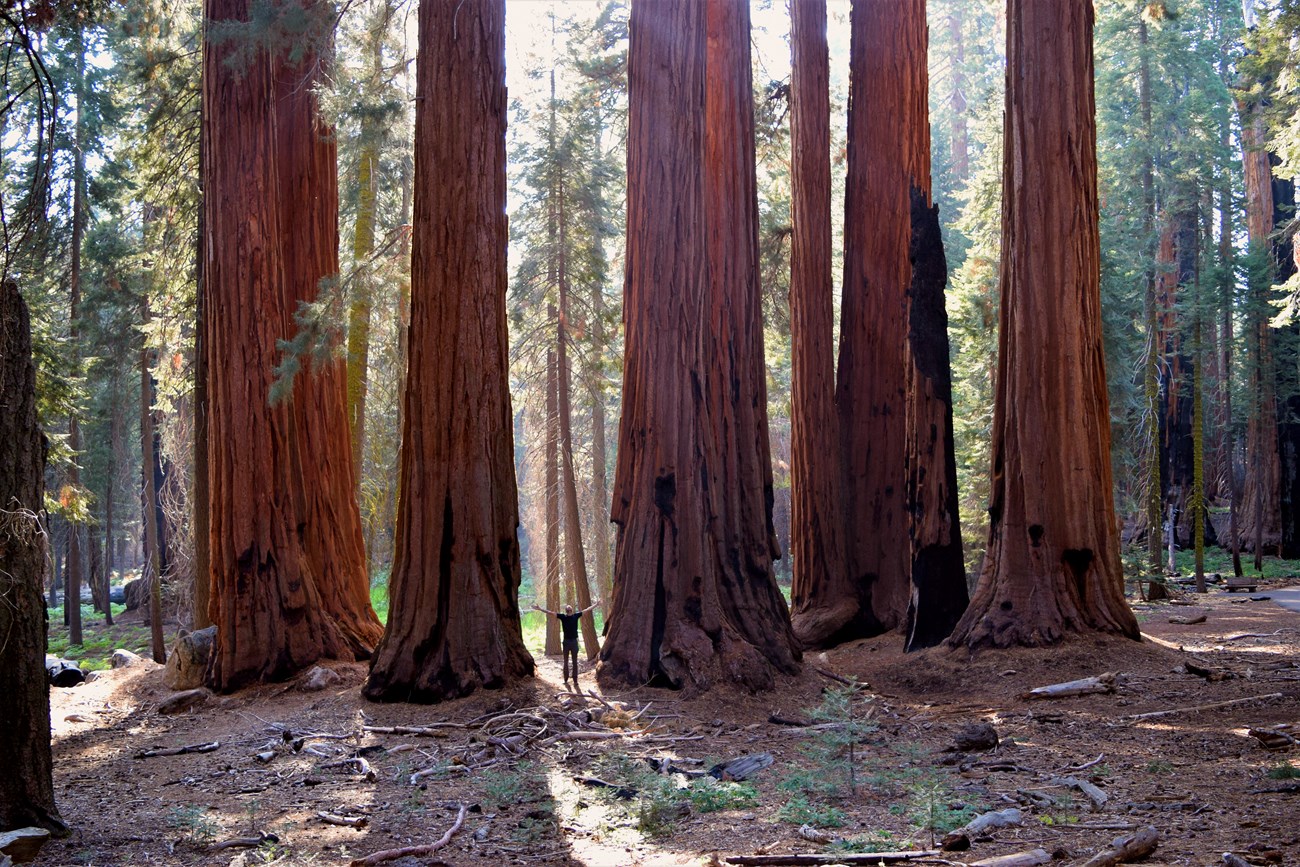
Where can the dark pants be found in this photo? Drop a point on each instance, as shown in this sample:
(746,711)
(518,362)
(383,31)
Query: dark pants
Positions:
(571,652)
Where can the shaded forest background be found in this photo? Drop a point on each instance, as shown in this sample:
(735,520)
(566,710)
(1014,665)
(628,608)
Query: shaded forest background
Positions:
(1197,280)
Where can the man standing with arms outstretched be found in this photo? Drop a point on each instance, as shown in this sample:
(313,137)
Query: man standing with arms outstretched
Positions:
(569,624)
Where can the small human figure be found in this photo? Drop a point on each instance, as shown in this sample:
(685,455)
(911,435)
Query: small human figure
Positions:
(569,624)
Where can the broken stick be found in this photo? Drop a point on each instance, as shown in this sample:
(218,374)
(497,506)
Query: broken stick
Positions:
(841,858)
(1102,683)
(1017,859)
(179,751)
(1131,847)
(960,839)
(413,851)
(345,821)
(1215,706)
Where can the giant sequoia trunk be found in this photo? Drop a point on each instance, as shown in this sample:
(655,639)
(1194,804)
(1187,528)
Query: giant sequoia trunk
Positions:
(454,621)
(695,599)
(27,784)
(894,392)
(826,603)
(327,509)
(1288,363)
(1261,519)
(1053,562)
(280,481)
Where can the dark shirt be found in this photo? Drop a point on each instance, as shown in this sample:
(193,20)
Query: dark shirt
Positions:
(570,624)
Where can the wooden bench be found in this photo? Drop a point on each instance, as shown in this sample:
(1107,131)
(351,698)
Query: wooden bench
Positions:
(1235,584)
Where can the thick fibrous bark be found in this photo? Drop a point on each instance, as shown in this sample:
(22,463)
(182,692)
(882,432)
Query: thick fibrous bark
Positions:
(894,392)
(694,595)
(454,623)
(327,508)
(275,472)
(27,785)
(1261,521)
(825,601)
(1053,556)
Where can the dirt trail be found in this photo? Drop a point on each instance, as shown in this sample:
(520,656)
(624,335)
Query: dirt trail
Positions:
(1196,776)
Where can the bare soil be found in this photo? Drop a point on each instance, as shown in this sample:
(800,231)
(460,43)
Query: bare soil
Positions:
(1195,775)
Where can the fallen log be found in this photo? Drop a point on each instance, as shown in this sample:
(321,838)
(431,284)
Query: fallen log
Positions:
(1131,847)
(1231,860)
(1102,683)
(1187,621)
(837,858)
(1272,739)
(179,751)
(741,768)
(413,851)
(1096,795)
(1017,859)
(345,821)
(1200,707)
(958,840)
(244,842)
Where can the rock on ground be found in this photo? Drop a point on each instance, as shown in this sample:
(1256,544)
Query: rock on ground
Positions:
(188,661)
(183,701)
(318,678)
(23,844)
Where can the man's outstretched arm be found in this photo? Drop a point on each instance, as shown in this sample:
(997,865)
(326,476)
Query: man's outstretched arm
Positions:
(590,607)
(545,610)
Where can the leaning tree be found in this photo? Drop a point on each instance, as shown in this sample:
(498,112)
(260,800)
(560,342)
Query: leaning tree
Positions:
(454,619)
(1053,563)
(695,598)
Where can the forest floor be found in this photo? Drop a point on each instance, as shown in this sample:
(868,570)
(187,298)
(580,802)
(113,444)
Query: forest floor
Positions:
(1195,775)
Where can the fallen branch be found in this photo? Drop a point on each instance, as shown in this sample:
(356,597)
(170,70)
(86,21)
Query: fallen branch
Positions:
(840,858)
(1242,635)
(413,851)
(1102,683)
(432,730)
(345,821)
(244,842)
(1272,739)
(179,751)
(1200,707)
(839,678)
(1017,859)
(1133,847)
(960,839)
(1187,621)
(1096,795)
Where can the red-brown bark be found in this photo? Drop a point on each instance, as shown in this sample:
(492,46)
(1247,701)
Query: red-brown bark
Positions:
(694,595)
(1053,556)
(894,392)
(825,601)
(454,622)
(888,153)
(27,785)
(307,177)
(269,522)
(1261,519)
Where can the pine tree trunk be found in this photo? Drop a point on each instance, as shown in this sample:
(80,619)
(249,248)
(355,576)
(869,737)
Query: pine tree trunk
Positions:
(271,602)
(72,585)
(1151,368)
(575,557)
(599,459)
(307,174)
(114,448)
(454,620)
(1288,362)
(826,604)
(687,546)
(1227,305)
(957,101)
(201,614)
(27,785)
(154,562)
(1053,563)
(552,495)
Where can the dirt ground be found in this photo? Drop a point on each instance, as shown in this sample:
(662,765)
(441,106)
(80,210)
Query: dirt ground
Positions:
(1195,775)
